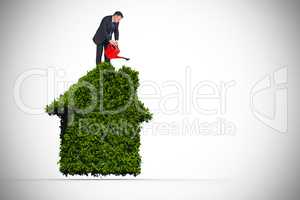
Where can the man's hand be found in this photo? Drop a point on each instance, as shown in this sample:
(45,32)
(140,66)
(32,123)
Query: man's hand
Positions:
(113,42)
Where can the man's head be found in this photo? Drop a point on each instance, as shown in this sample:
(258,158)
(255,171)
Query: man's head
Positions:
(117,16)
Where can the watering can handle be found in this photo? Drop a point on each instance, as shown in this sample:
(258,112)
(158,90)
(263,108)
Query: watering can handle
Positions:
(115,46)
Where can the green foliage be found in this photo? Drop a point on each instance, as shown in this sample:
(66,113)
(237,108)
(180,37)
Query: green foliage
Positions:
(101,118)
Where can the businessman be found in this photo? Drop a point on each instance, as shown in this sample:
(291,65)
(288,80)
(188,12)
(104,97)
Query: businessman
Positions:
(108,26)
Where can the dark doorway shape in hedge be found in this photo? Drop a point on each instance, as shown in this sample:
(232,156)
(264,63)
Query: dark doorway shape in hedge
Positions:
(101,119)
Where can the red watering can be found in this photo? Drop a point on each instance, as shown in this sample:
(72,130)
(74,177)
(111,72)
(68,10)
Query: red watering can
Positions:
(111,51)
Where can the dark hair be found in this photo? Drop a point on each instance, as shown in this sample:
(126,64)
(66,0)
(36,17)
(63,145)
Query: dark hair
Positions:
(118,13)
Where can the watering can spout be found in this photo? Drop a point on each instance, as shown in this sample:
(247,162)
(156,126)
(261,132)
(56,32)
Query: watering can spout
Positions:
(124,58)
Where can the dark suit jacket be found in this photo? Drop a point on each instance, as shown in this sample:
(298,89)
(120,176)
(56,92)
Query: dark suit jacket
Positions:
(103,33)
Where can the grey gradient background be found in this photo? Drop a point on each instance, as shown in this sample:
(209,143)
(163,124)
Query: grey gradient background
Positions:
(219,40)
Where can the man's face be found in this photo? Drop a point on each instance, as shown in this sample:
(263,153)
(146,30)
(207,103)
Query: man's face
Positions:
(117,18)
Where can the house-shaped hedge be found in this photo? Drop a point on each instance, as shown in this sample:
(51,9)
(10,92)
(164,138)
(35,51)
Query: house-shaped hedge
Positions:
(101,119)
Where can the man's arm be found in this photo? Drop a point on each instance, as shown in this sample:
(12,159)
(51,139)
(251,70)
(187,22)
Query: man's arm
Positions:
(116,32)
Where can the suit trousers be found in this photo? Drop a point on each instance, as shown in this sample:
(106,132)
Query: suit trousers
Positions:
(99,53)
